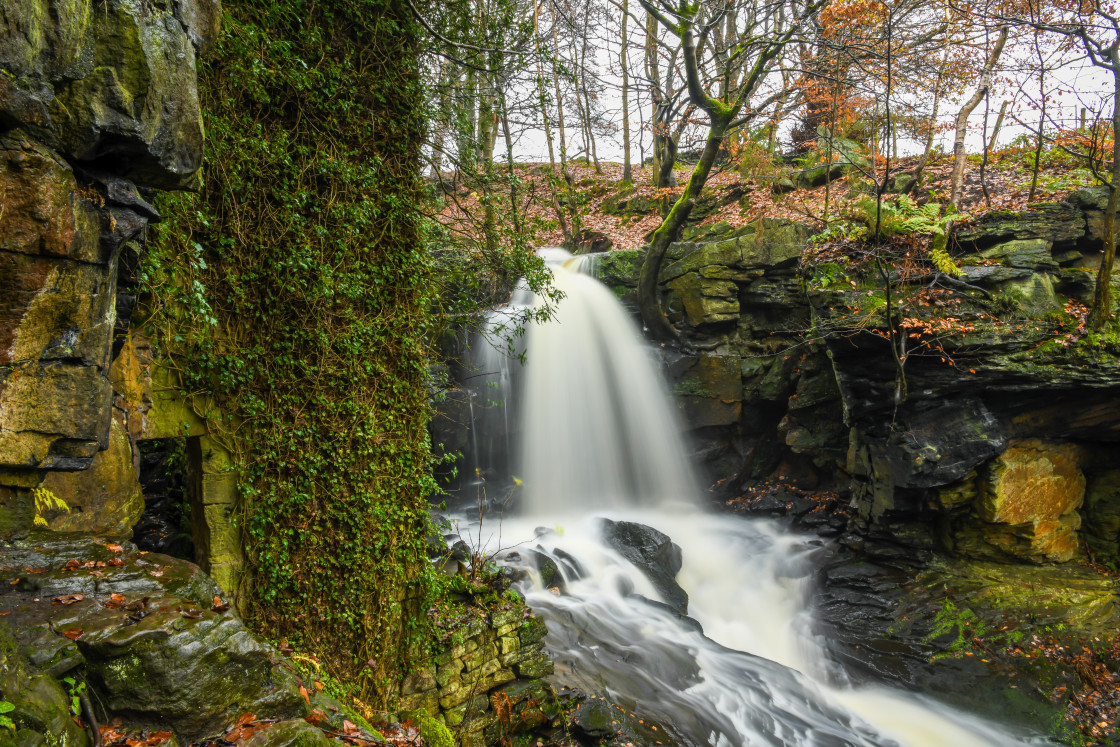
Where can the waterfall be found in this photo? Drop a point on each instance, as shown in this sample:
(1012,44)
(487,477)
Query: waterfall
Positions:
(598,429)
(698,621)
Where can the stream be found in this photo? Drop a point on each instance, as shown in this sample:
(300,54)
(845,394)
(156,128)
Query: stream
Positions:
(700,622)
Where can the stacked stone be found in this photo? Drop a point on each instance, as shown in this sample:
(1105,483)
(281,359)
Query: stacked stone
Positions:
(488,683)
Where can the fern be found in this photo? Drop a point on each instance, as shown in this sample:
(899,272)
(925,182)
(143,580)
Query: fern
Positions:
(46,501)
(939,255)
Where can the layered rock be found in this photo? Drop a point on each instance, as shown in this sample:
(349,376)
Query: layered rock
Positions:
(150,634)
(987,442)
(97,103)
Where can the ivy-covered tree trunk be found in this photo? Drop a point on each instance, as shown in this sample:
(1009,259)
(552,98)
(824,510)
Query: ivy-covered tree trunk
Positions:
(649,302)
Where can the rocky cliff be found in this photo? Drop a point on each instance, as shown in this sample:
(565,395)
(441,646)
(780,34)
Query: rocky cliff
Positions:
(977,419)
(98,106)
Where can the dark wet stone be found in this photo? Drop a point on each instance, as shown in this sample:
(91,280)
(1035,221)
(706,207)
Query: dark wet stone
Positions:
(651,552)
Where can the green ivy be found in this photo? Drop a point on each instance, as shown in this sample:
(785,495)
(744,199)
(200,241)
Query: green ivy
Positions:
(293,295)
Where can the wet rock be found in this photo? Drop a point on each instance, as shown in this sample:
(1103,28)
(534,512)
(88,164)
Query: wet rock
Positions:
(1036,489)
(42,709)
(293,733)
(104,499)
(95,570)
(116,82)
(1102,513)
(197,676)
(651,552)
(146,630)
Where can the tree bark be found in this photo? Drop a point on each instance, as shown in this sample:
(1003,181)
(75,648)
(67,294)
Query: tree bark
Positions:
(957,180)
(627,176)
(1101,313)
(648,302)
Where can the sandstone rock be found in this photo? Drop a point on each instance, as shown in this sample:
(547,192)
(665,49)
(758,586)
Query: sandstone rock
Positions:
(104,499)
(1057,222)
(170,660)
(116,82)
(1036,487)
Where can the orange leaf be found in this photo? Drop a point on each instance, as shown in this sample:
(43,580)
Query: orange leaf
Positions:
(219,605)
(114,601)
(303,692)
(74,633)
(113,547)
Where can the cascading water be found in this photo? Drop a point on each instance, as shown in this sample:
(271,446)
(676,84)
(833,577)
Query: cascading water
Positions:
(601,446)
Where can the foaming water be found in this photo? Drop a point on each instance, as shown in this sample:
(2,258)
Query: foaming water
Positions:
(743,667)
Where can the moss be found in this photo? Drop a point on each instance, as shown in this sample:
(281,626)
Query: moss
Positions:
(435,733)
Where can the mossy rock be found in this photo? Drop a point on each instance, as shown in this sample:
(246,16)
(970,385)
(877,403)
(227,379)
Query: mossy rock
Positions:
(293,733)
(42,708)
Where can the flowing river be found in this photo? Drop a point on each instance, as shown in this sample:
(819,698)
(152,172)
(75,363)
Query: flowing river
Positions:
(604,485)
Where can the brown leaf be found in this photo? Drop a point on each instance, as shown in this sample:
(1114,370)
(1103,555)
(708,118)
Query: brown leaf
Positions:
(113,547)
(303,692)
(349,728)
(114,601)
(97,574)
(73,634)
(219,605)
(157,574)
(315,717)
(68,599)
(115,561)
(136,605)
(192,614)
(319,685)
(72,565)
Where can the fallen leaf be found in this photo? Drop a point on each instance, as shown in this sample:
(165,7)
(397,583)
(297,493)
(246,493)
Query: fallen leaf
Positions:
(72,565)
(114,601)
(192,614)
(157,574)
(74,633)
(303,692)
(219,605)
(136,605)
(97,574)
(319,686)
(315,717)
(113,547)
(115,561)
(68,599)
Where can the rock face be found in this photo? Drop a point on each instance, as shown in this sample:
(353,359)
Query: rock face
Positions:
(987,446)
(98,102)
(145,631)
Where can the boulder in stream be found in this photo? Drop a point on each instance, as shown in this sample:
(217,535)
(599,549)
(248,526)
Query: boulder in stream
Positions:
(653,553)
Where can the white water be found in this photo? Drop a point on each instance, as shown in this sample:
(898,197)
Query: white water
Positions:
(600,441)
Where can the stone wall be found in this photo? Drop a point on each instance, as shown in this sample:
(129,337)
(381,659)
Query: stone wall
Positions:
(98,106)
(487,683)
(1003,446)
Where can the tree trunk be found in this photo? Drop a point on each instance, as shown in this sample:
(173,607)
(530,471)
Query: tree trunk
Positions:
(648,302)
(957,180)
(627,176)
(565,229)
(1101,312)
(998,125)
